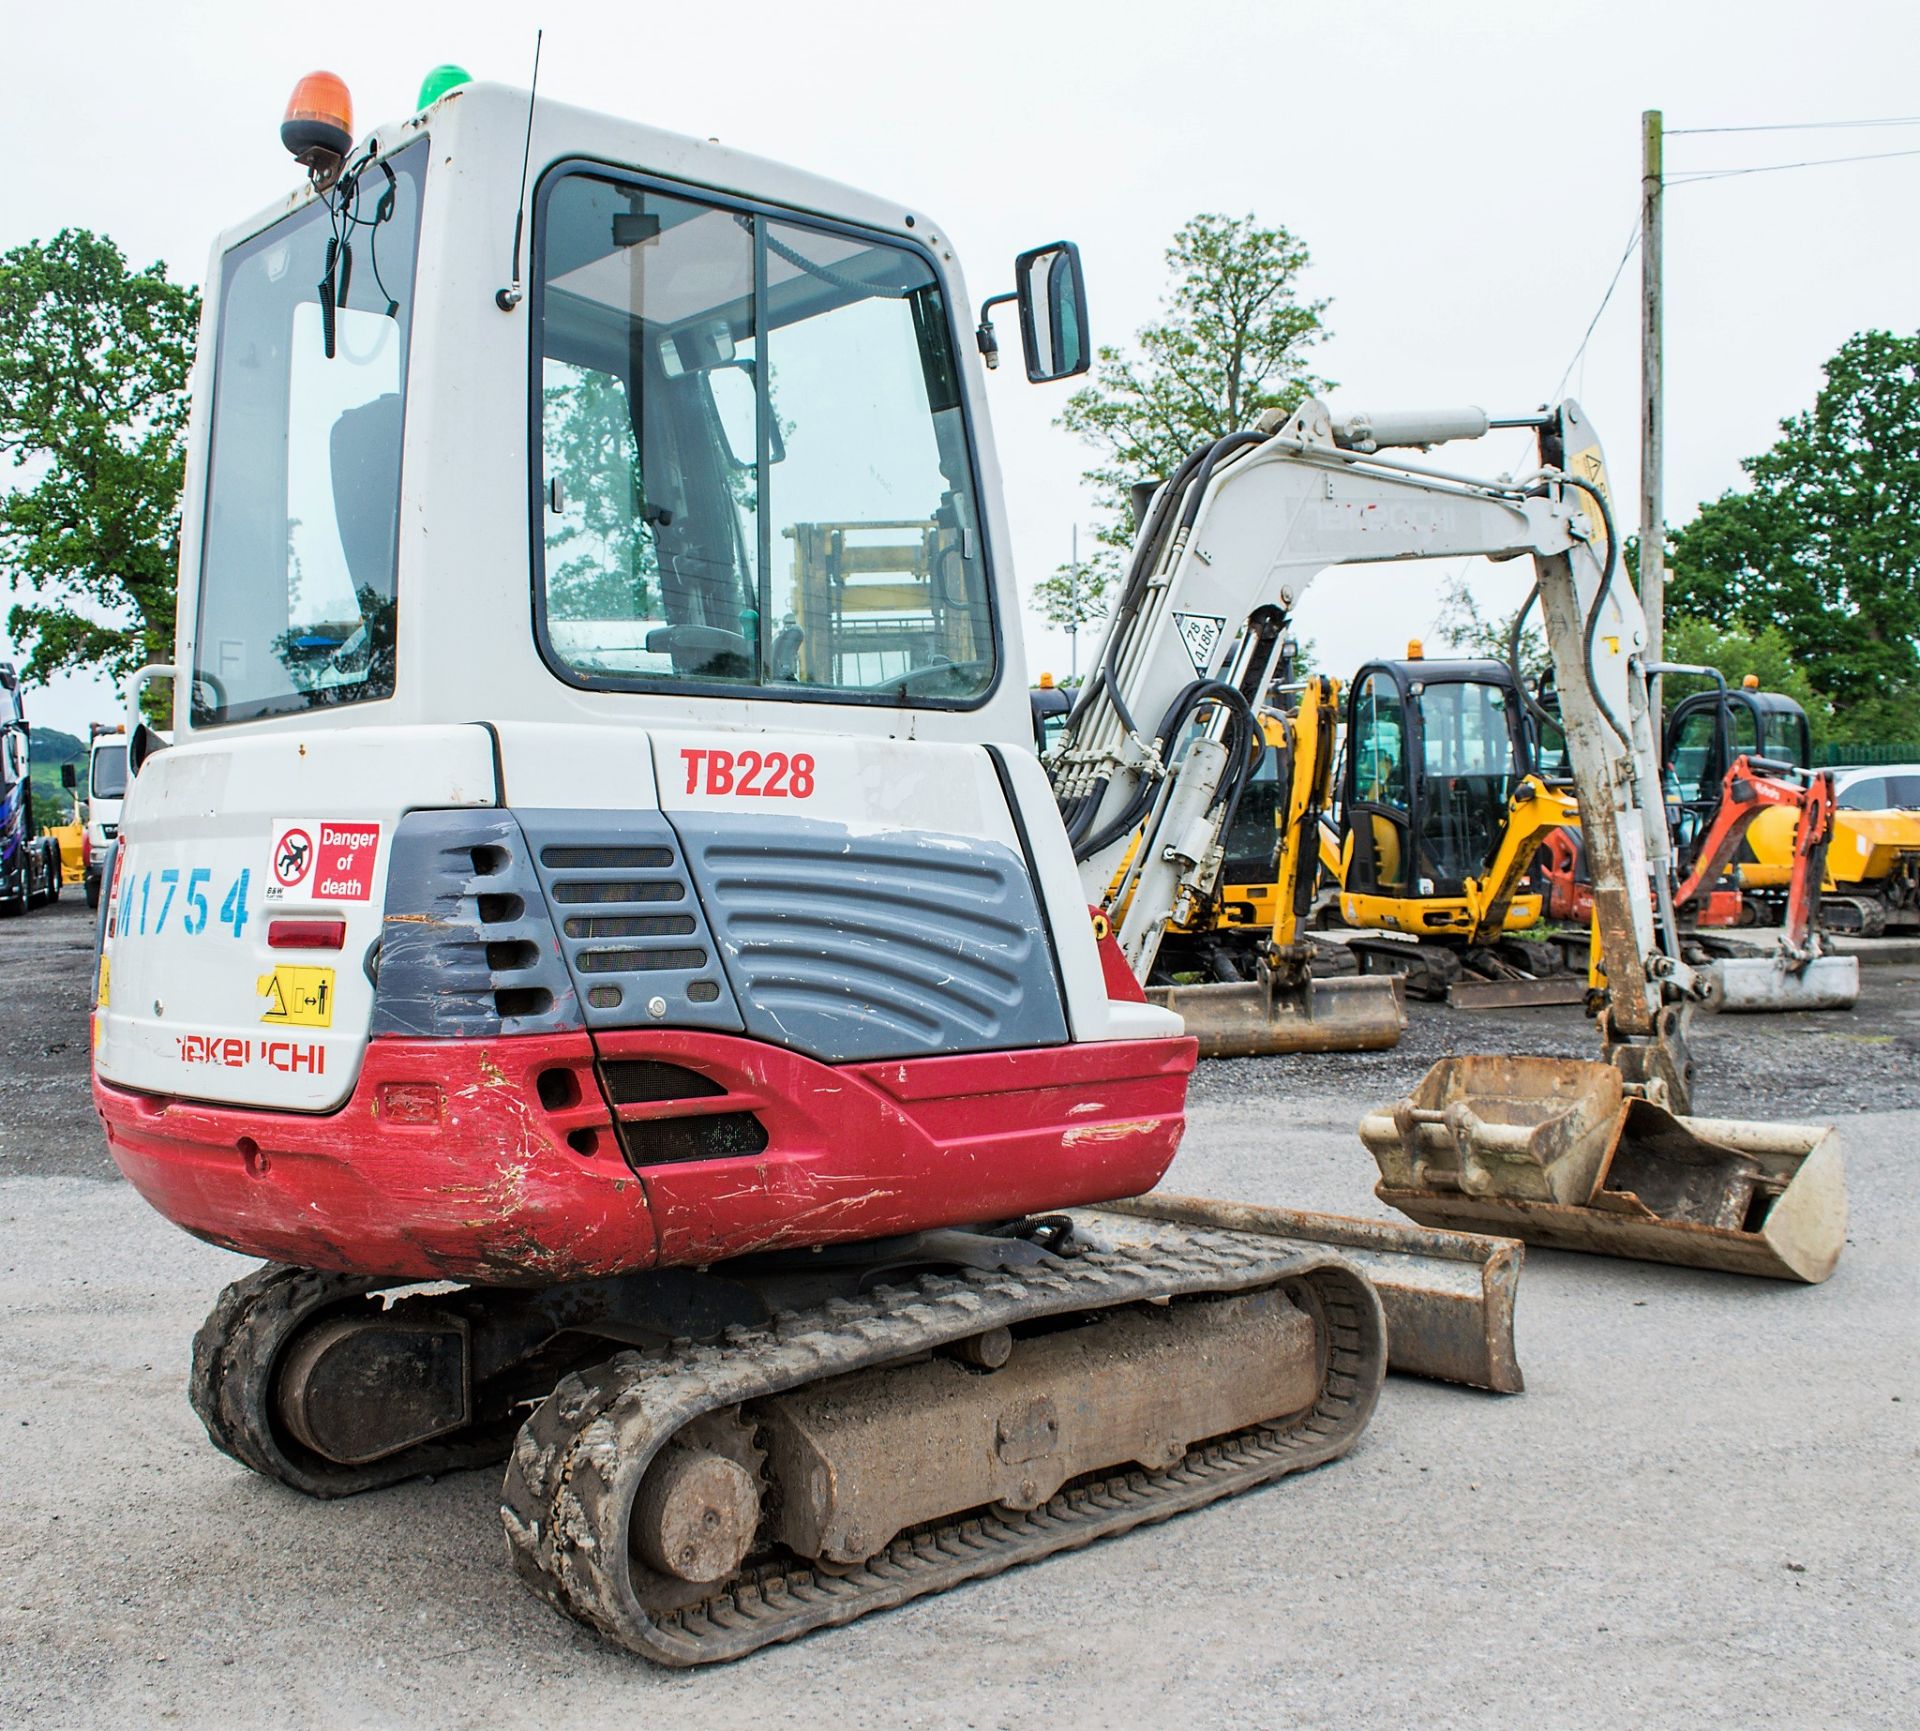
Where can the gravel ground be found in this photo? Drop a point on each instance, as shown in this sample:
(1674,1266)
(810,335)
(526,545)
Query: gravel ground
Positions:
(1701,1512)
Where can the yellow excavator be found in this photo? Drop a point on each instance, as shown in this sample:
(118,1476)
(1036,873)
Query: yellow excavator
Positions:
(1236,963)
(1446,793)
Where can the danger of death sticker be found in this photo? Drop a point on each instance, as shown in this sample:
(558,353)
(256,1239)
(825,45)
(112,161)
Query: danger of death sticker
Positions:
(322,860)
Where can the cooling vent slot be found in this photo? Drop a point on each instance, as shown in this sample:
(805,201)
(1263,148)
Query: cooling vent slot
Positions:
(666,1141)
(644,1092)
(646,1081)
(631,928)
(466,947)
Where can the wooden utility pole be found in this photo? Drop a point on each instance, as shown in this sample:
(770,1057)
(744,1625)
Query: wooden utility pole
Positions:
(1653,549)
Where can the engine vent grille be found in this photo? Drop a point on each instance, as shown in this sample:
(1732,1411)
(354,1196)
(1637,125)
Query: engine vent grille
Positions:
(850,946)
(631,928)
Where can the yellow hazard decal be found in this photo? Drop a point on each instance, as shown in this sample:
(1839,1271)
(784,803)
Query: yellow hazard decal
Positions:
(1591,469)
(100,997)
(298,997)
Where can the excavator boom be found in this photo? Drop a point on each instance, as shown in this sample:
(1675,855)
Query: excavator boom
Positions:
(1504,1144)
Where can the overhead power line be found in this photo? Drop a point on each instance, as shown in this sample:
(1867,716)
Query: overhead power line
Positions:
(1794,126)
(1692,177)
(1633,241)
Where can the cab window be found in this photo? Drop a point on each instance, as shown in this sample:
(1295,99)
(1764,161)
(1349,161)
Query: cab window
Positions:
(754,470)
(298,598)
(1468,771)
(1380,749)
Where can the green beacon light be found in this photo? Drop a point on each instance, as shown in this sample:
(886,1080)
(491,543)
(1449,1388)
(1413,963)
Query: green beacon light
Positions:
(439,81)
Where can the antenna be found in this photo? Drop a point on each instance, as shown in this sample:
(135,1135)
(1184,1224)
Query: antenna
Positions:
(508,298)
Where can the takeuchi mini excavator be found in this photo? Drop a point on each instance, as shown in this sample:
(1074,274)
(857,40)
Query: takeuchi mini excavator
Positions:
(600,930)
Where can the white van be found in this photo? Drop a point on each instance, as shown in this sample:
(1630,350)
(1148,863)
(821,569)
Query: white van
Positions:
(106,788)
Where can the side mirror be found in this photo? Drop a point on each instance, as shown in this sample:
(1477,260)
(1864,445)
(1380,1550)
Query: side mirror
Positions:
(141,746)
(1053,312)
(68,779)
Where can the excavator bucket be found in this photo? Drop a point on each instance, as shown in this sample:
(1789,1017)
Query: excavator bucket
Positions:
(1558,1152)
(1760,983)
(1253,1019)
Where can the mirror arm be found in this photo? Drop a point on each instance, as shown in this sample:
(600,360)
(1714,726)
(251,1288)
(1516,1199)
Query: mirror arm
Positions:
(989,343)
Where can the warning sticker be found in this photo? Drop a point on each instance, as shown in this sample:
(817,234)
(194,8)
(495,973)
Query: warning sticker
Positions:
(1201,633)
(290,861)
(322,860)
(298,997)
(344,871)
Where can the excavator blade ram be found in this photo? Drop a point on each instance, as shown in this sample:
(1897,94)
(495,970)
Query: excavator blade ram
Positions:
(1557,1152)
(1756,984)
(1250,1020)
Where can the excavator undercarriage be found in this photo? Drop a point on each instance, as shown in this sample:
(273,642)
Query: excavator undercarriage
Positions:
(721,1461)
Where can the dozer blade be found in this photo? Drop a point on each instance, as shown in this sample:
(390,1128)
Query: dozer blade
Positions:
(1249,1020)
(1759,983)
(1556,1152)
(1448,1296)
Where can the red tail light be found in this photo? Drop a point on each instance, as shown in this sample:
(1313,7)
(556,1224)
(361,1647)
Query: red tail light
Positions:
(306,934)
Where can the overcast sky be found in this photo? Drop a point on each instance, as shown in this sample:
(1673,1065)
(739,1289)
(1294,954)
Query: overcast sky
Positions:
(1465,174)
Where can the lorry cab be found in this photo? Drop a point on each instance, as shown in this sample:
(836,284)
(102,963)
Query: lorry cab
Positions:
(106,789)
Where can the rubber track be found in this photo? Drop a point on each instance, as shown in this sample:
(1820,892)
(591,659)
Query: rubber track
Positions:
(234,1354)
(576,1467)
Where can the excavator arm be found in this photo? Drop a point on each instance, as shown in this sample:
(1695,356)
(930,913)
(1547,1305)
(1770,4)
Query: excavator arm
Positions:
(1311,731)
(1533,813)
(1231,544)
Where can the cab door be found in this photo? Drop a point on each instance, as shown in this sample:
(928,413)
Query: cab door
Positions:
(1377,785)
(1706,733)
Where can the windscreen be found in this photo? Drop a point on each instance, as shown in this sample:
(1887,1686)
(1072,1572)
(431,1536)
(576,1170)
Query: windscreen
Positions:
(107,779)
(1468,771)
(297,583)
(753,460)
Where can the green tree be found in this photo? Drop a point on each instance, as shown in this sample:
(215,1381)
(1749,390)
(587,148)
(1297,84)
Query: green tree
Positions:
(1467,629)
(1231,342)
(1765,654)
(1824,542)
(1076,594)
(94,359)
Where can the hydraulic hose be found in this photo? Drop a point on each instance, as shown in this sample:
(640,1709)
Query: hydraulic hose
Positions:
(1179,712)
(1593,611)
(1535,707)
